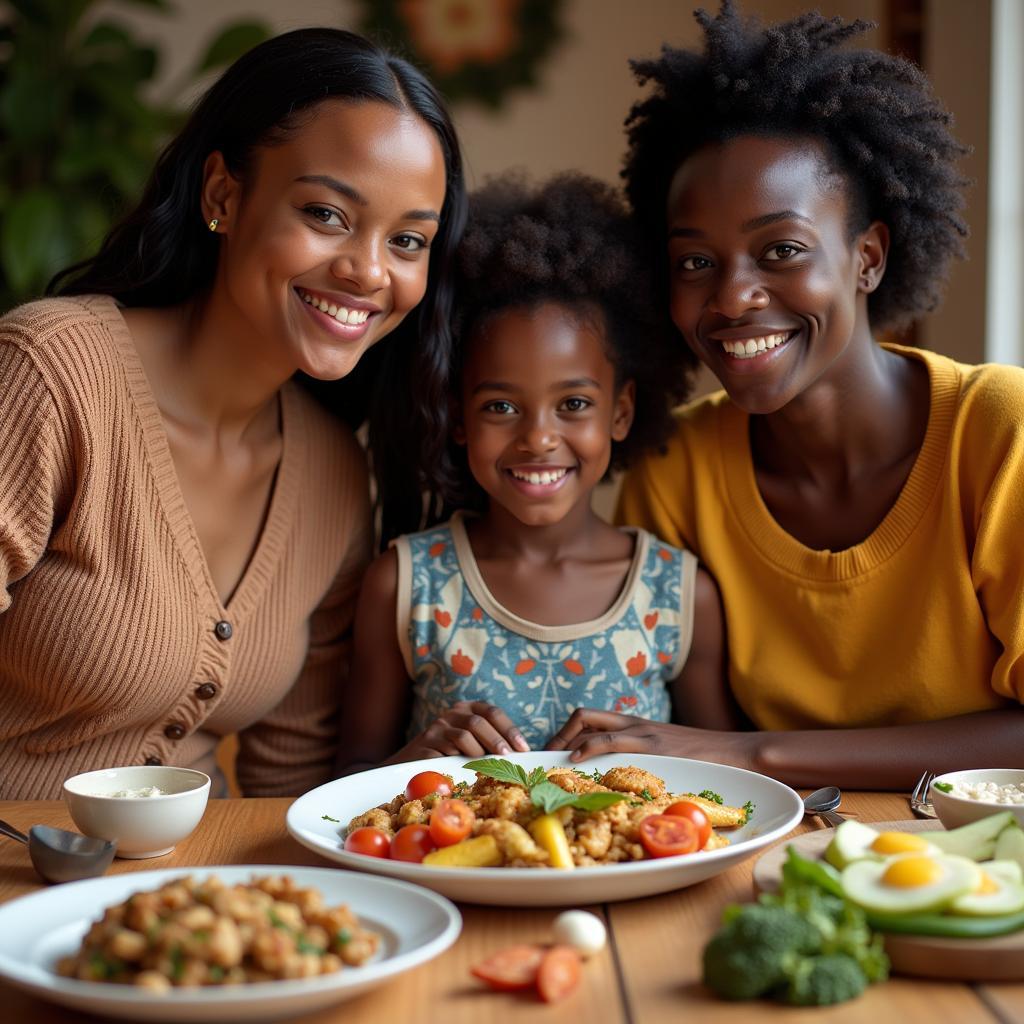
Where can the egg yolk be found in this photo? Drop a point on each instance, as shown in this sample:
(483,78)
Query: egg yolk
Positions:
(986,885)
(888,843)
(911,873)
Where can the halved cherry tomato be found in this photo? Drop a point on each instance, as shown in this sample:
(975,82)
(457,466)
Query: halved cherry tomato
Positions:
(558,974)
(665,836)
(450,822)
(412,843)
(696,814)
(369,841)
(510,969)
(425,783)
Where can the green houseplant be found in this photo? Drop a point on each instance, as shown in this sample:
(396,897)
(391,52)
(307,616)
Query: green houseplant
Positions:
(79,129)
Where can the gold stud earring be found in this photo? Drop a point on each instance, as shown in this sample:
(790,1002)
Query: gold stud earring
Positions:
(213,224)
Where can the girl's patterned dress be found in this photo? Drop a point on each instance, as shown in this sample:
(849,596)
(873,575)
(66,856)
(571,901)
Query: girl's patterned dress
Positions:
(460,644)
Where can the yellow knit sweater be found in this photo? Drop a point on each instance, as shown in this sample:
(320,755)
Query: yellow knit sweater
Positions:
(110,650)
(922,620)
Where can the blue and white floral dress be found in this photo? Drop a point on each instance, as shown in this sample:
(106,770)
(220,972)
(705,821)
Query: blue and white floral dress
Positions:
(459,643)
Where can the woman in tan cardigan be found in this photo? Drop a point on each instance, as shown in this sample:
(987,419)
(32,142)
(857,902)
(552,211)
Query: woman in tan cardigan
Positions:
(182,526)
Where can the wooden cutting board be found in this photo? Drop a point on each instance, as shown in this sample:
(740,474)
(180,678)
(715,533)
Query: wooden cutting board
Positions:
(997,959)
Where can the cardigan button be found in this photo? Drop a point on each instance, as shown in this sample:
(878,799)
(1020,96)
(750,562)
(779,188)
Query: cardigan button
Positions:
(223,630)
(174,731)
(153,761)
(206,691)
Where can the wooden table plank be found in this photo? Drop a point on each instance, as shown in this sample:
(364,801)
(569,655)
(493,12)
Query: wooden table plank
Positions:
(252,832)
(660,940)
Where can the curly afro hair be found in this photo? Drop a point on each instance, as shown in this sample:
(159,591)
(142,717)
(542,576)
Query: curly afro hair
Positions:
(571,241)
(882,128)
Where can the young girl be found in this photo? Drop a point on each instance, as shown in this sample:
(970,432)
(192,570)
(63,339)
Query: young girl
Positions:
(859,503)
(182,527)
(489,630)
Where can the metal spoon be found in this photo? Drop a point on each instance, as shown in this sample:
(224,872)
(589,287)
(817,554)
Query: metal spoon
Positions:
(822,802)
(62,856)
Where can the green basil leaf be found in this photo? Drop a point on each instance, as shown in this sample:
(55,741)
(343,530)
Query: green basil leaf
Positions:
(537,776)
(500,769)
(549,797)
(596,801)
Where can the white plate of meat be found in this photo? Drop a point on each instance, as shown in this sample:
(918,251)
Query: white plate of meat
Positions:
(320,821)
(396,926)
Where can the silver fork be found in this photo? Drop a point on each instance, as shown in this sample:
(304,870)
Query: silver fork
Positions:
(919,802)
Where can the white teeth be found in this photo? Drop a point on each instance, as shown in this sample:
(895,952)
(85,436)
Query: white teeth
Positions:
(544,477)
(342,314)
(746,348)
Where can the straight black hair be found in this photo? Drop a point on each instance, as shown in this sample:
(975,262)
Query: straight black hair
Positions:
(161,253)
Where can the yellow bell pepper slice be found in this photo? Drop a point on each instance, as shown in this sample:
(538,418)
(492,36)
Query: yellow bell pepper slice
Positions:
(478,852)
(549,835)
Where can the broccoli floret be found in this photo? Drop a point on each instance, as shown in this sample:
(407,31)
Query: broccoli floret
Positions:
(755,951)
(824,980)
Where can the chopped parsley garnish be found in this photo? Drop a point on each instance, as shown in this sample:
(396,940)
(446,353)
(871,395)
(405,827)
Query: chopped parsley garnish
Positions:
(749,808)
(177,962)
(276,921)
(216,972)
(944,787)
(707,794)
(646,794)
(305,946)
(327,817)
(343,937)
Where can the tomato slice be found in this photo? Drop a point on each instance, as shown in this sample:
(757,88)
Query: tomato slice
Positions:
(696,814)
(369,841)
(558,974)
(412,843)
(450,822)
(510,969)
(666,836)
(425,783)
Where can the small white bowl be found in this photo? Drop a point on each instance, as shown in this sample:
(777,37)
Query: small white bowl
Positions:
(142,826)
(954,811)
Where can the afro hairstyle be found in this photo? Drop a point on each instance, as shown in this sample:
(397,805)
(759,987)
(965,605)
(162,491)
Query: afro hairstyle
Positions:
(570,241)
(875,115)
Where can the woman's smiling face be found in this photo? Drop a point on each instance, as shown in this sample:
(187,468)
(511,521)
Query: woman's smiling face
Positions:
(325,245)
(767,286)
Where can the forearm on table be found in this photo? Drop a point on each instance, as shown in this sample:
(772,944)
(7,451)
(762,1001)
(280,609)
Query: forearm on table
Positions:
(891,757)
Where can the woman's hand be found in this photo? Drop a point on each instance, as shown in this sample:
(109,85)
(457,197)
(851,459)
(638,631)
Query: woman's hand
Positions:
(469,728)
(589,732)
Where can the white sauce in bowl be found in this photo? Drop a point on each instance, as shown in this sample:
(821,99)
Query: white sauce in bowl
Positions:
(142,791)
(989,792)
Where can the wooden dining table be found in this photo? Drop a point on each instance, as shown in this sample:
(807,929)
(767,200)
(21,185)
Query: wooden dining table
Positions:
(649,973)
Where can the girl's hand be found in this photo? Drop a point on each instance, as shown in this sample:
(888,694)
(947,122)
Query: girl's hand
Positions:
(469,728)
(589,732)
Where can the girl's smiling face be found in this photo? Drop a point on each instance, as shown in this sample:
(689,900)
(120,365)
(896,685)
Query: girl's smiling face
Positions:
(325,245)
(767,286)
(540,409)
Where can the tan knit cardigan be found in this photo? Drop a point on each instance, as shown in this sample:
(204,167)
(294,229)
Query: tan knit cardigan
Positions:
(114,646)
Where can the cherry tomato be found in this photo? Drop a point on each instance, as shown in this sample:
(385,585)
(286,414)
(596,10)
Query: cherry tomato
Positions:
(450,822)
(412,843)
(696,814)
(369,841)
(510,969)
(558,974)
(665,836)
(426,783)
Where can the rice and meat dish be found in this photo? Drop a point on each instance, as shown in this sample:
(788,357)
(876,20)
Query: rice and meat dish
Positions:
(611,835)
(189,933)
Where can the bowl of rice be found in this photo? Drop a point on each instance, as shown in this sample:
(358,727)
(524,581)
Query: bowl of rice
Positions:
(962,797)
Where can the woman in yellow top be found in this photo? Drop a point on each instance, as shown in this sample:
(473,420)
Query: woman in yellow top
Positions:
(861,505)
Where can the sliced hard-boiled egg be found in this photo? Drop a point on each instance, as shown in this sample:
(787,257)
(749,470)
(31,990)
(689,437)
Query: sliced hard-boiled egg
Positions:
(910,883)
(854,841)
(999,892)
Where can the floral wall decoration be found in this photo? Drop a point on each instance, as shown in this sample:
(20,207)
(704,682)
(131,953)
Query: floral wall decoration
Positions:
(472,49)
